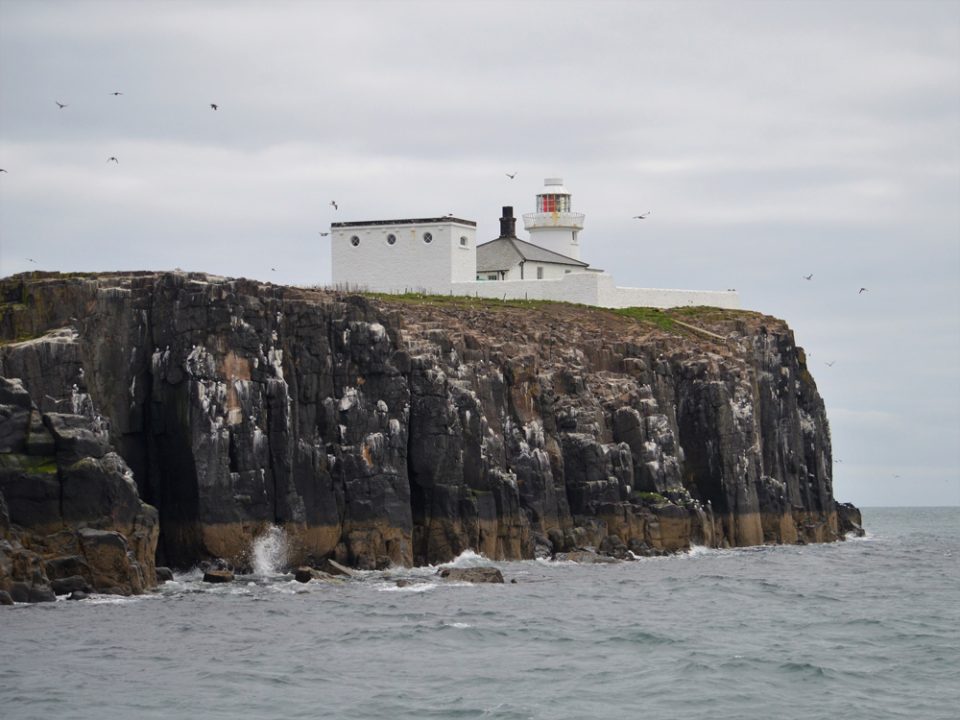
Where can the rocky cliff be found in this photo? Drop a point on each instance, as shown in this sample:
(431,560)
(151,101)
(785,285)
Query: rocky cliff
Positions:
(381,430)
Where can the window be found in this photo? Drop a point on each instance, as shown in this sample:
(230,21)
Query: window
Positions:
(491,277)
(354,241)
(463,240)
(539,272)
(391,239)
(553,203)
(428,237)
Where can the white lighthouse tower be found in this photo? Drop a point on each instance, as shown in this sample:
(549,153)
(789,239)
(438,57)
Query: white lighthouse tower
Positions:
(553,226)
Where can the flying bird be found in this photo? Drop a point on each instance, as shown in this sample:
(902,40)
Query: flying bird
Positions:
(60,104)
(2,170)
(113,159)
(829,364)
(273,269)
(31,260)
(511,175)
(214,106)
(641,217)
(808,277)
(334,203)
(324,234)
(862,290)
(116,93)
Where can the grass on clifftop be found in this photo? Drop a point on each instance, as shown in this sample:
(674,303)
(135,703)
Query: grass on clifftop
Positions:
(647,315)
(464,301)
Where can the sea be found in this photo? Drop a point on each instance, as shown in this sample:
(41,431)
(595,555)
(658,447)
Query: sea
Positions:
(867,628)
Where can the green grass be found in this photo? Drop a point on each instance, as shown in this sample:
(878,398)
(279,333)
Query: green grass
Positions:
(647,315)
(462,301)
(33,464)
(649,497)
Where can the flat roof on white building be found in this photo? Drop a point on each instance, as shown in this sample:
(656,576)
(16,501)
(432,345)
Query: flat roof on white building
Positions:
(406,221)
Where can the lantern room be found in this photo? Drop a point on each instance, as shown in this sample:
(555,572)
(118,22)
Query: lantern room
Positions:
(553,226)
(554,198)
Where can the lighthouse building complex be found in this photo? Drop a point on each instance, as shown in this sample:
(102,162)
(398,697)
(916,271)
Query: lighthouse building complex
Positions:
(441,256)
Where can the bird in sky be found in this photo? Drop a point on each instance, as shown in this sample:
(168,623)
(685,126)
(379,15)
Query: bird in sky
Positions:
(2,170)
(862,290)
(273,269)
(113,159)
(214,106)
(324,234)
(511,175)
(808,277)
(641,217)
(60,104)
(116,93)
(334,203)
(830,364)
(31,260)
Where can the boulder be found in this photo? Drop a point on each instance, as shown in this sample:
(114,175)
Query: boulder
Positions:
(472,575)
(586,557)
(76,437)
(23,592)
(107,554)
(164,574)
(218,576)
(99,490)
(78,595)
(303,574)
(65,586)
(5,598)
(13,392)
(65,566)
(332,567)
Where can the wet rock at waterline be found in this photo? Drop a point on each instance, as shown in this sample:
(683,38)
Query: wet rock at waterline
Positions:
(218,576)
(472,574)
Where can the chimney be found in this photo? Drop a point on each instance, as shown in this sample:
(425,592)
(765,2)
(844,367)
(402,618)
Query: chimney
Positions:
(508,223)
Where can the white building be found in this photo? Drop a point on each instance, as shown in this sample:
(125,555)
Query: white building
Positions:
(440,256)
(400,255)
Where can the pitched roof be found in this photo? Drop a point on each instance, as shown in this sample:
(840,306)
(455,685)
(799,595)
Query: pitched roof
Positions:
(505,252)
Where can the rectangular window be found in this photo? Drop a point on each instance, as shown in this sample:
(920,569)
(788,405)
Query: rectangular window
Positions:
(539,272)
(491,277)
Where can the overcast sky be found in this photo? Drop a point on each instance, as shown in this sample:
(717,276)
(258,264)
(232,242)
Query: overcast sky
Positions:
(769,140)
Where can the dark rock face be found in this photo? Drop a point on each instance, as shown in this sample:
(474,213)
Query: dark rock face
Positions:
(380,432)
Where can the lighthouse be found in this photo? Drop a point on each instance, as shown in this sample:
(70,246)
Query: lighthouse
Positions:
(553,226)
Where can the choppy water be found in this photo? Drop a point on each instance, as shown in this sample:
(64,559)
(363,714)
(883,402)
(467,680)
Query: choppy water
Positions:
(869,628)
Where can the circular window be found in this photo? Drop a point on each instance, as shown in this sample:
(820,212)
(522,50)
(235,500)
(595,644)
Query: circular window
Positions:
(428,237)
(391,239)
(354,241)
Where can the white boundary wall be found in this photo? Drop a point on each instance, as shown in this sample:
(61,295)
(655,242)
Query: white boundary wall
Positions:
(592,288)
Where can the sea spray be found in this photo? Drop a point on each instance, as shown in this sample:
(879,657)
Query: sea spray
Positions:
(270,552)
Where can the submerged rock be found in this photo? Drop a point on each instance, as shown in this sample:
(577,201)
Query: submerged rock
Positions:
(472,574)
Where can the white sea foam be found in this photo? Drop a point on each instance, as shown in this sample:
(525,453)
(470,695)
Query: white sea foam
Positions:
(468,558)
(270,552)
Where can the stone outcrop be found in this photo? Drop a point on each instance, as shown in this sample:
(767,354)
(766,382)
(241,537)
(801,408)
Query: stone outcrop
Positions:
(472,574)
(71,520)
(381,431)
